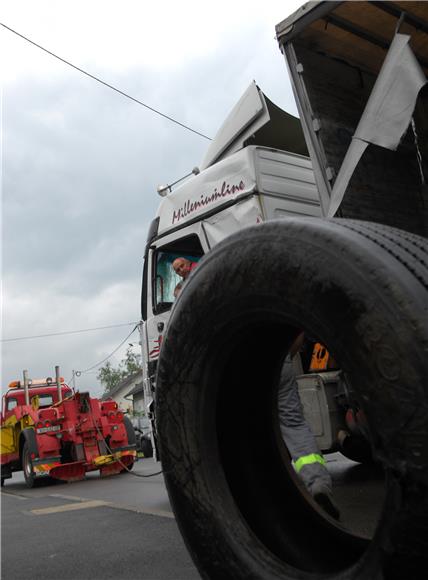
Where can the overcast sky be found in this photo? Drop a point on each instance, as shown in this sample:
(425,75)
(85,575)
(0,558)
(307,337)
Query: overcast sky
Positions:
(81,163)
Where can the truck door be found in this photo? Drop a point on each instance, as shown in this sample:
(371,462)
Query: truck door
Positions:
(190,243)
(159,282)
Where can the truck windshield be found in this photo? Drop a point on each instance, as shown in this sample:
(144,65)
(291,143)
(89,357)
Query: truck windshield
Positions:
(166,279)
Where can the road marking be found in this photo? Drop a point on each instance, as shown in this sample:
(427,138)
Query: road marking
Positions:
(81,505)
(70,497)
(138,510)
(84,503)
(13,494)
(145,511)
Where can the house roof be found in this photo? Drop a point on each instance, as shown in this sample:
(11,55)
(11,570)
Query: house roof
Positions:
(120,386)
(139,388)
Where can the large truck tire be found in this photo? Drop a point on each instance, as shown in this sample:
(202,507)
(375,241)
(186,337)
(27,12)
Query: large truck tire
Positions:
(146,446)
(361,289)
(27,466)
(132,440)
(130,431)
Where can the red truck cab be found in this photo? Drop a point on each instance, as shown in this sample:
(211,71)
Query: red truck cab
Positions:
(45,395)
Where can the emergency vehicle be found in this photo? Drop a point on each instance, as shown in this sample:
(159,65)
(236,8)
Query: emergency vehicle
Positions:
(49,430)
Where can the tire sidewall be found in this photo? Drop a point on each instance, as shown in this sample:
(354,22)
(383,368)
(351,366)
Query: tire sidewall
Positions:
(27,466)
(350,308)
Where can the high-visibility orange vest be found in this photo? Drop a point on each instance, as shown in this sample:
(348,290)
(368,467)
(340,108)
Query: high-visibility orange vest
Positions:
(321,359)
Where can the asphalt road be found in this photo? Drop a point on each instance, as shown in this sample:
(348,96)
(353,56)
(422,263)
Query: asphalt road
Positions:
(116,527)
(123,527)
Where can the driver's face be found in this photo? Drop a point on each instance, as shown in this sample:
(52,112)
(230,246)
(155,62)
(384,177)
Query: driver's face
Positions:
(181,267)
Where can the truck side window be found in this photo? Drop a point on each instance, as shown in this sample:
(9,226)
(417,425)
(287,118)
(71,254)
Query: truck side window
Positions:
(166,279)
(11,404)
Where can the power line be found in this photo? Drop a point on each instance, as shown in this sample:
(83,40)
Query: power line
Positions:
(105,83)
(112,353)
(67,332)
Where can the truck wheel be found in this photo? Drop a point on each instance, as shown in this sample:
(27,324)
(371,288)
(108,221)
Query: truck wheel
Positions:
(130,431)
(146,447)
(27,466)
(361,290)
(132,440)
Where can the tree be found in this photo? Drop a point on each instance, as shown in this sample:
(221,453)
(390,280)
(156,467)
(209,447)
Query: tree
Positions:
(110,376)
(131,363)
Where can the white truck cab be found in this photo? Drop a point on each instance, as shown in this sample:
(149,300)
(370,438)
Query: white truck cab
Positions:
(242,181)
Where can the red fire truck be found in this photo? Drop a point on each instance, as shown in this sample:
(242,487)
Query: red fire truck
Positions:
(49,430)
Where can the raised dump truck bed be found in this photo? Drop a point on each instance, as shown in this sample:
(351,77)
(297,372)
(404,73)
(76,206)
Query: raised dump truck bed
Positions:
(334,51)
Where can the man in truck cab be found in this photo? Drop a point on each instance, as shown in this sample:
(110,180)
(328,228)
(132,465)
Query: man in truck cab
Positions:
(183,267)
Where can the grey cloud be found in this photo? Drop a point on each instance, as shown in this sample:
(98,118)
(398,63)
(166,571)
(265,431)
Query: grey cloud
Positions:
(81,166)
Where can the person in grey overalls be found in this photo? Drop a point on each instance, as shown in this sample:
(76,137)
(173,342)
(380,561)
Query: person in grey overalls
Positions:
(307,458)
